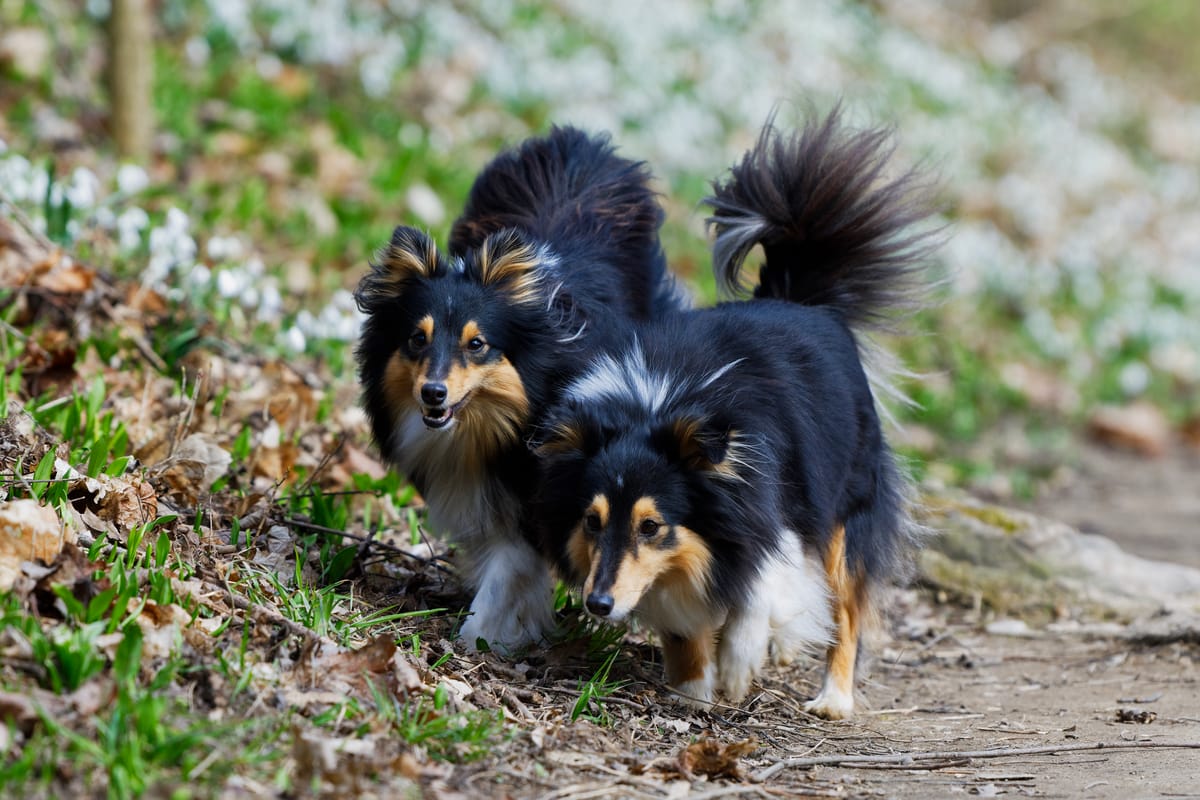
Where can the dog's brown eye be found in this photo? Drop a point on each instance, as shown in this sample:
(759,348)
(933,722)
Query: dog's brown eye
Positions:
(648,527)
(417,340)
(592,523)
(476,345)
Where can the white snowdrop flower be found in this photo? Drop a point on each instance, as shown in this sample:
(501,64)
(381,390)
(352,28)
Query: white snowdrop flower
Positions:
(132,179)
(381,64)
(294,340)
(224,248)
(269,66)
(249,297)
(349,328)
(14,175)
(84,189)
(3,147)
(1177,360)
(177,220)
(1134,378)
(343,300)
(270,306)
(232,282)
(105,218)
(197,51)
(270,435)
(73,229)
(255,266)
(130,225)
(306,322)
(98,9)
(55,192)
(158,266)
(199,276)
(410,134)
(37,186)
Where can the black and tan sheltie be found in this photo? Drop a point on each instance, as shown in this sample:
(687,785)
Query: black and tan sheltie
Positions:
(723,477)
(555,254)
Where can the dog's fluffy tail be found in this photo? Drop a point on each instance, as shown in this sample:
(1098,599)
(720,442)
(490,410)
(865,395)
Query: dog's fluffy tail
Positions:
(837,231)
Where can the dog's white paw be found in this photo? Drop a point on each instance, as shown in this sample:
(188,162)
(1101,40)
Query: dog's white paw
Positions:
(831,703)
(737,669)
(514,606)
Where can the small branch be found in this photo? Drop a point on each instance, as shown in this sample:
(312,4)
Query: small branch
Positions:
(370,541)
(256,611)
(907,759)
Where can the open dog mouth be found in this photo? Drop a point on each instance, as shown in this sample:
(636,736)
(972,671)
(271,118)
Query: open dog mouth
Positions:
(441,416)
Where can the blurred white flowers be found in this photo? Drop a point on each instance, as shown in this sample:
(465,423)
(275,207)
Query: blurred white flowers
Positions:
(1091,243)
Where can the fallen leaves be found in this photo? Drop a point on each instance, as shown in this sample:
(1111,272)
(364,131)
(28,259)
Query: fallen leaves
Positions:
(709,757)
(1140,427)
(28,531)
(196,464)
(1137,716)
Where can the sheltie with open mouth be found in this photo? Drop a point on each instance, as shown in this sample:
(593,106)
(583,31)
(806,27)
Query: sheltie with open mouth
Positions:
(556,254)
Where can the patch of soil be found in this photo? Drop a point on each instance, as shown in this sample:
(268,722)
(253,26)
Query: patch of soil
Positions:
(1149,506)
(942,685)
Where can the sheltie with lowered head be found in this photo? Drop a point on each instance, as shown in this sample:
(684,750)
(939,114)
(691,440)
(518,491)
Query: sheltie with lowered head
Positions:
(723,476)
(556,254)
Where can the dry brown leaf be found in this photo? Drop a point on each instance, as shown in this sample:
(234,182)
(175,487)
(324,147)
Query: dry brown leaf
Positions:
(195,465)
(28,530)
(161,628)
(1191,432)
(1141,427)
(128,503)
(65,276)
(707,756)
(275,462)
(19,710)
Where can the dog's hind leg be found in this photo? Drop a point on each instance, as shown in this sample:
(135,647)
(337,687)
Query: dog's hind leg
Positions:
(690,667)
(836,699)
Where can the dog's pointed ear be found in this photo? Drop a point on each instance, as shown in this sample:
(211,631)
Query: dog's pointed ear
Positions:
(570,435)
(410,255)
(511,263)
(699,443)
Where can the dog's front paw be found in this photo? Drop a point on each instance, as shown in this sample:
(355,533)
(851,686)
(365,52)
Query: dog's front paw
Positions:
(831,703)
(503,630)
(514,606)
(741,654)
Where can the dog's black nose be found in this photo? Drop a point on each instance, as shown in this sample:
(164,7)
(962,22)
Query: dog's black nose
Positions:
(600,604)
(433,394)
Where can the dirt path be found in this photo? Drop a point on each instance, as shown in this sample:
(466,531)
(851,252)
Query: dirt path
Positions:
(1150,506)
(941,684)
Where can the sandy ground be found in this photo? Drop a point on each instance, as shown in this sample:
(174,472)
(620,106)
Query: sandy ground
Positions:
(1150,506)
(938,684)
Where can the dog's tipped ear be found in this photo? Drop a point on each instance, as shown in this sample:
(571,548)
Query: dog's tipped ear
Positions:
(411,254)
(511,263)
(559,439)
(572,437)
(698,443)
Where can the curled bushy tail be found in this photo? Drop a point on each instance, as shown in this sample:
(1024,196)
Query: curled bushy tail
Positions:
(836,230)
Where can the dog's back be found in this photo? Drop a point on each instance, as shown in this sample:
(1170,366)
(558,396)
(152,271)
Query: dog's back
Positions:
(596,207)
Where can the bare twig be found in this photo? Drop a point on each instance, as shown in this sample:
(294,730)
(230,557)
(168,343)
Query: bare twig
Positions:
(368,540)
(259,612)
(907,759)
